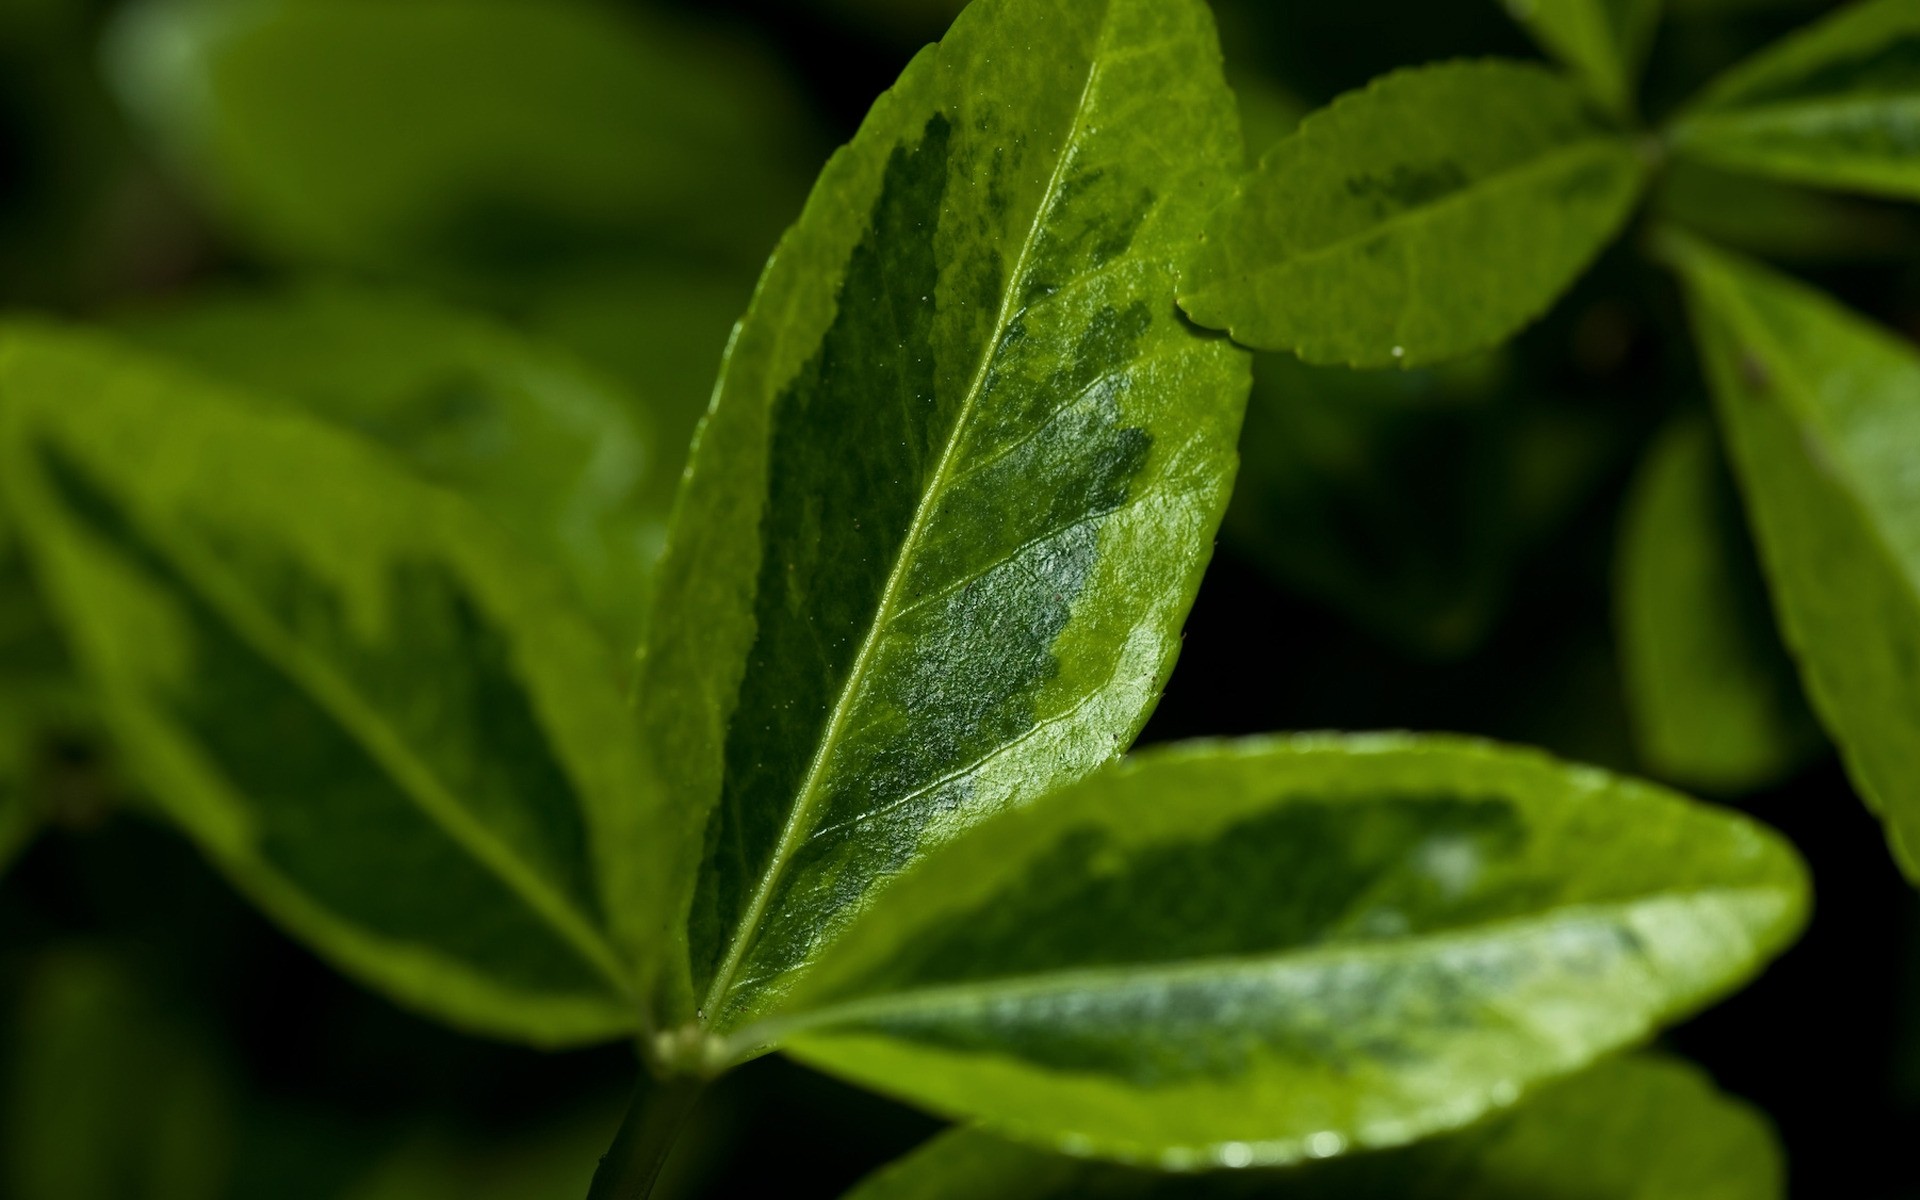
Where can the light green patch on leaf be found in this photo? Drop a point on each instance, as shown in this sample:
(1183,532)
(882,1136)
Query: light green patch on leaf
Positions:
(1835,105)
(464,141)
(1429,215)
(1604,41)
(1820,410)
(961,476)
(1642,1126)
(554,452)
(1715,700)
(105,1097)
(1263,951)
(381,721)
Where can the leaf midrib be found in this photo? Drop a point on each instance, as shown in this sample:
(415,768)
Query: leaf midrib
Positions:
(793,834)
(376,735)
(1126,975)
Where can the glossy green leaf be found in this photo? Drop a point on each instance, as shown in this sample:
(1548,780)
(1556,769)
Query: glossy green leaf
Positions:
(105,1097)
(1275,949)
(465,140)
(1604,40)
(1714,697)
(552,451)
(1404,500)
(960,480)
(1821,413)
(1427,216)
(383,723)
(1640,1127)
(1836,105)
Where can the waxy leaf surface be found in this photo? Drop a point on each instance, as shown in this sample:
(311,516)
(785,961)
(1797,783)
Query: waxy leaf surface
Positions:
(1604,40)
(1263,951)
(1639,1127)
(1836,105)
(553,452)
(1715,701)
(385,725)
(464,141)
(1429,215)
(961,477)
(1820,409)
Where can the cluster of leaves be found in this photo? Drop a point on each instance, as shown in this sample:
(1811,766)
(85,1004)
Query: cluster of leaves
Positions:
(351,578)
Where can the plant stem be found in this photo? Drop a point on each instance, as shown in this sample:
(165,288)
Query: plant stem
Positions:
(632,1164)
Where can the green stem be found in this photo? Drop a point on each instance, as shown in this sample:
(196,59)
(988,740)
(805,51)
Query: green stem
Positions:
(632,1164)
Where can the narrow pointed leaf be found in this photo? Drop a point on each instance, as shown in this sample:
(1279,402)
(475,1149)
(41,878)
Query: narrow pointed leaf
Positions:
(1262,951)
(1429,215)
(556,454)
(1821,413)
(1835,105)
(1604,40)
(385,725)
(1640,1127)
(1715,700)
(962,473)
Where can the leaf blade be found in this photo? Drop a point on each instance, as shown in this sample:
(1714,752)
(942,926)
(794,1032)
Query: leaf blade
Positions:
(387,730)
(1815,404)
(1327,942)
(897,599)
(1604,40)
(1830,106)
(1422,218)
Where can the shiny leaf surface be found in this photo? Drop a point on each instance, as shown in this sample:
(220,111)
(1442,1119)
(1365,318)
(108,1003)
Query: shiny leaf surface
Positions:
(1714,697)
(961,477)
(556,454)
(1640,1127)
(385,725)
(1429,215)
(1837,105)
(1603,40)
(1275,949)
(464,140)
(1821,412)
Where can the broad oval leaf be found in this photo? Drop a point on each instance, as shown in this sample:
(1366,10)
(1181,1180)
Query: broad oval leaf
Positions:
(1274,949)
(1714,698)
(1821,413)
(1427,216)
(1604,40)
(464,141)
(960,479)
(557,455)
(1642,1127)
(383,723)
(1837,105)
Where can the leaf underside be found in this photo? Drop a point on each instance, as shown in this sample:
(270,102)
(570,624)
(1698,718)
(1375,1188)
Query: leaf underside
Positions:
(376,717)
(1431,214)
(960,480)
(1820,410)
(1258,952)
(1641,1126)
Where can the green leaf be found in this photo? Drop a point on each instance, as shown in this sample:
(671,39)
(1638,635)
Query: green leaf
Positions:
(1644,1127)
(1605,41)
(105,1097)
(1821,413)
(553,452)
(382,722)
(1714,697)
(1262,951)
(1427,216)
(1835,105)
(961,476)
(1405,499)
(1780,220)
(464,140)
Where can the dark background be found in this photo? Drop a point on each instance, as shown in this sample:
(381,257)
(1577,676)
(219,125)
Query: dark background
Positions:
(329,1078)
